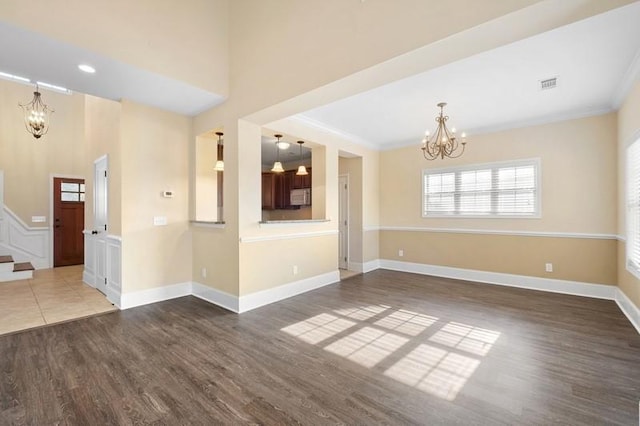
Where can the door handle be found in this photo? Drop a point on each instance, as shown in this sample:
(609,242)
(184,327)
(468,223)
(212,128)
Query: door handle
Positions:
(94,232)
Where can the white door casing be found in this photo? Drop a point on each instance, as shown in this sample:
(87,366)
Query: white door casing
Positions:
(343,217)
(100,212)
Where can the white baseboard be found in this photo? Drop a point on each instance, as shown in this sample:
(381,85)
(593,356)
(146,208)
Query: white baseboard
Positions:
(598,291)
(88,278)
(354,266)
(371,265)
(114,296)
(153,295)
(217,297)
(628,308)
(265,297)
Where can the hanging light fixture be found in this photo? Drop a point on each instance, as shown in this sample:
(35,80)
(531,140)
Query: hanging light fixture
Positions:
(36,115)
(277,166)
(302,170)
(443,143)
(219,167)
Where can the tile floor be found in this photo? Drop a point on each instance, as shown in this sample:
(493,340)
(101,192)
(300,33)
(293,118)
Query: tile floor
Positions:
(52,295)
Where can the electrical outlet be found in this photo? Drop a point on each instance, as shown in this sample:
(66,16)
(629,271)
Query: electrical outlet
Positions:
(204,272)
(295,269)
(548,267)
(400,253)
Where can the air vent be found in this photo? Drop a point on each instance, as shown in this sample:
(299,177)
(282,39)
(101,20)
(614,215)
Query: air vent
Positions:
(549,83)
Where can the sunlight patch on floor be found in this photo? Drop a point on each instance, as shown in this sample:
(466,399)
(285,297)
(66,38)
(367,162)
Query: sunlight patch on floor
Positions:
(367,346)
(316,329)
(438,361)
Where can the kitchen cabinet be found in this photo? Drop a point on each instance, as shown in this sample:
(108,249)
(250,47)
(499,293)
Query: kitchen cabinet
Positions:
(276,188)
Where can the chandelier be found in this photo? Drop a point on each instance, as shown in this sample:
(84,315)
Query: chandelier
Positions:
(36,115)
(277,165)
(443,143)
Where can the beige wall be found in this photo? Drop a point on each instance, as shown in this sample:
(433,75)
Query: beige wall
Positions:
(575,155)
(206,178)
(186,40)
(628,132)
(28,162)
(574,259)
(102,136)
(155,146)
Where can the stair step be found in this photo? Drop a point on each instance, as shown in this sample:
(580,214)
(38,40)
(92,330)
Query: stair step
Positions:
(23,266)
(6,264)
(6,259)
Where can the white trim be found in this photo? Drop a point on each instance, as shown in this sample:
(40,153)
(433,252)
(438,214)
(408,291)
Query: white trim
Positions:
(217,297)
(348,220)
(501,232)
(22,224)
(621,238)
(288,236)
(51,220)
(370,228)
(628,308)
(597,291)
(371,265)
(89,278)
(290,223)
(265,297)
(153,295)
(205,224)
(355,266)
(626,83)
(25,243)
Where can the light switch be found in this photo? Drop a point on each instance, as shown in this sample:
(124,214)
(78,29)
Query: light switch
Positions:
(159,220)
(38,219)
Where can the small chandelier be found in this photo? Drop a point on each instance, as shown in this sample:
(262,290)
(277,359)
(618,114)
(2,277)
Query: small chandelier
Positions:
(277,166)
(443,143)
(36,115)
(302,170)
(219,167)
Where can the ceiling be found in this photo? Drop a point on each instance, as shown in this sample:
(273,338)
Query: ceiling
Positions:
(39,58)
(290,154)
(593,60)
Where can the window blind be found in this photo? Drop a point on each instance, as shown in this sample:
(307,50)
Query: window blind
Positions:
(490,190)
(633,206)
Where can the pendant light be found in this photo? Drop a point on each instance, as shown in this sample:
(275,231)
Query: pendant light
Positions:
(302,170)
(219,167)
(277,166)
(36,115)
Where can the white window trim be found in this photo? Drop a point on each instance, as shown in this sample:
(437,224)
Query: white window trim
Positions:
(509,163)
(630,265)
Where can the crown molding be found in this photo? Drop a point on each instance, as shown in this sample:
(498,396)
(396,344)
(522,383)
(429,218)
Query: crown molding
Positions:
(303,119)
(626,83)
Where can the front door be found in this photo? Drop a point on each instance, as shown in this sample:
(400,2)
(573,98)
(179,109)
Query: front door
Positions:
(68,221)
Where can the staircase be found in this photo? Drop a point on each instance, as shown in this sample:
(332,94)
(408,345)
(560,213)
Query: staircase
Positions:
(12,271)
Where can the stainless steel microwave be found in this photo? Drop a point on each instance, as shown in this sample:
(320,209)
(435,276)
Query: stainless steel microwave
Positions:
(301,197)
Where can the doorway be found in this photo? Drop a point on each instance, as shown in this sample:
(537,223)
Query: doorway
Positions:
(343,216)
(68,221)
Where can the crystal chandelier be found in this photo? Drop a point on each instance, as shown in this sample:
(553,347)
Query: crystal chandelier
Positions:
(36,115)
(443,143)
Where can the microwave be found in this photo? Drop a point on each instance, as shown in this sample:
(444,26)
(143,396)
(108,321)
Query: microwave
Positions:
(300,197)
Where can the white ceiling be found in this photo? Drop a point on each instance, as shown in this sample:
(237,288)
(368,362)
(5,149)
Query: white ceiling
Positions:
(498,89)
(290,154)
(39,58)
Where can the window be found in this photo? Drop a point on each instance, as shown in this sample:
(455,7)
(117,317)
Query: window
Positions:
(72,192)
(633,208)
(509,189)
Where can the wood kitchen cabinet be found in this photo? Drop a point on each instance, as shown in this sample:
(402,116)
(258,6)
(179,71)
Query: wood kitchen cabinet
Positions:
(268,191)
(276,188)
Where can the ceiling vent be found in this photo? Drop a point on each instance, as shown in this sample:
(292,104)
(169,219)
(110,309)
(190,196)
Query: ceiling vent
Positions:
(549,83)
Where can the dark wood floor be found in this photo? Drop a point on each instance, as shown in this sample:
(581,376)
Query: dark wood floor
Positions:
(381,348)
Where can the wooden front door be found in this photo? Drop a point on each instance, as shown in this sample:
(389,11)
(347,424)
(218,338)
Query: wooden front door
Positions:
(68,221)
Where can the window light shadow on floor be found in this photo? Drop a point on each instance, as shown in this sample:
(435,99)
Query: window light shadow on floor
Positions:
(439,359)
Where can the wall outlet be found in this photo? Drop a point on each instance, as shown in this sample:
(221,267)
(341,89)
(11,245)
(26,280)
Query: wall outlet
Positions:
(548,267)
(400,253)
(204,272)
(295,269)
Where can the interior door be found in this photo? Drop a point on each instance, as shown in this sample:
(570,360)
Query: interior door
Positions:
(343,216)
(99,232)
(68,221)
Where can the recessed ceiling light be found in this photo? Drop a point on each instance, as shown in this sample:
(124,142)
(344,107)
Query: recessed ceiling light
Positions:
(86,68)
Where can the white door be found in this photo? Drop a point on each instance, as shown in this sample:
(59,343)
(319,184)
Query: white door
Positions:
(343,215)
(100,196)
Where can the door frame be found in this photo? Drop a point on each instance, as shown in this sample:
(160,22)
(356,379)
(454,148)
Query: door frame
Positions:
(347,213)
(50,221)
(102,235)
